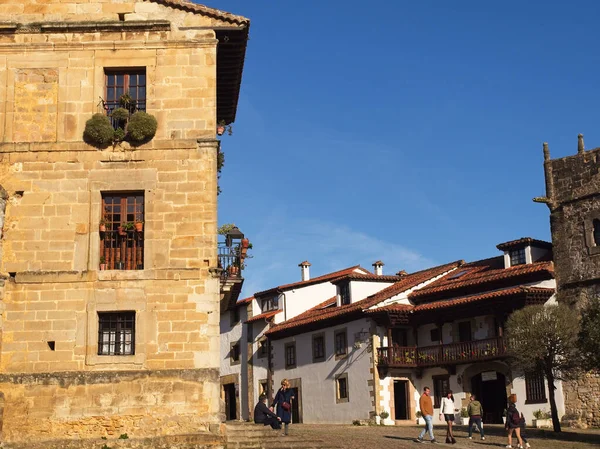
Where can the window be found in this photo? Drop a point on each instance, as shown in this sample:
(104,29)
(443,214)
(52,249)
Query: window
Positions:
(234,353)
(344,293)
(122,242)
(435,335)
(262,386)
(459,274)
(318,347)
(596,225)
(441,386)
(290,355)
(535,389)
(517,257)
(263,348)
(119,82)
(464,331)
(341,388)
(116,333)
(268,304)
(341,343)
(234,315)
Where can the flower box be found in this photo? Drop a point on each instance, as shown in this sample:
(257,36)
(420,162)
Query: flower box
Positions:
(540,423)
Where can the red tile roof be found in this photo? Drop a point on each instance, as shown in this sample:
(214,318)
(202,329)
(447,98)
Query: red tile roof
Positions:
(488,274)
(264,316)
(367,277)
(543,293)
(324,278)
(205,10)
(524,241)
(316,315)
(244,301)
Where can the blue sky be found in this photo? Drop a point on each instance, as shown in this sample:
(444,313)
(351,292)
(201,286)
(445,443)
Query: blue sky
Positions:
(409,132)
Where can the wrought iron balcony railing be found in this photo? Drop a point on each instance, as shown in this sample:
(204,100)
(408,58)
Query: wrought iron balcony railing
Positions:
(450,354)
(230,260)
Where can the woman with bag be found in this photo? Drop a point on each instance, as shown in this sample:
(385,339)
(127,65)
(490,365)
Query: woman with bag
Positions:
(447,411)
(513,421)
(283,401)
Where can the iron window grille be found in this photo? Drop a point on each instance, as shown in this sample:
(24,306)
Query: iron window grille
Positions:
(342,388)
(341,343)
(121,245)
(116,333)
(345,293)
(125,81)
(235,352)
(290,355)
(318,347)
(535,389)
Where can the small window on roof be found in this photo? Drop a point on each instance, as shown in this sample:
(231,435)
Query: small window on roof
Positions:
(459,274)
(517,257)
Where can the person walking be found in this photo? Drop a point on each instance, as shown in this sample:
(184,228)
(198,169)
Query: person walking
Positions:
(283,402)
(426,406)
(522,425)
(447,410)
(513,422)
(475,412)
(263,415)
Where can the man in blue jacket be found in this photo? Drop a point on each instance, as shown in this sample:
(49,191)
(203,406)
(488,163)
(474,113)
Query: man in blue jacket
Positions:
(264,416)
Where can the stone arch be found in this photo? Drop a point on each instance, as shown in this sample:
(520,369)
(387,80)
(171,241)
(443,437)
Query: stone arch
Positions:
(478,368)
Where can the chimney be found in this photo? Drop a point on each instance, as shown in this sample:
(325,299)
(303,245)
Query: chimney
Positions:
(401,273)
(304,267)
(580,145)
(378,267)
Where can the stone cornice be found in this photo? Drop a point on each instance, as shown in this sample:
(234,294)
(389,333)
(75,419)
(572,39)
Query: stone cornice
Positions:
(85,27)
(16,47)
(79,146)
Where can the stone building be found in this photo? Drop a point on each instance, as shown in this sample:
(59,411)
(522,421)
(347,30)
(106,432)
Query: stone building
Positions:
(573,197)
(111,287)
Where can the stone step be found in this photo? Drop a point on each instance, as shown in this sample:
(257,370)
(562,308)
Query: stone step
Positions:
(253,436)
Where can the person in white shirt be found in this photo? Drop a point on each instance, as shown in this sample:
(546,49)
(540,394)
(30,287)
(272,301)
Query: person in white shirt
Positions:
(447,410)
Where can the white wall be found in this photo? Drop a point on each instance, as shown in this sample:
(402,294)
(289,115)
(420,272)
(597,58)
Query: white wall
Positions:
(259,365)
(230,335)
(360,290)
(294,302)
(318,379)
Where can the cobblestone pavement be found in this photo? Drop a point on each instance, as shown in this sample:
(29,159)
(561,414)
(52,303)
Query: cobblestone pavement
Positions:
(392,437)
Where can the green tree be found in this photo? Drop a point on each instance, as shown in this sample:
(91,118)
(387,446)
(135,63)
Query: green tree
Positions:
(589,335)
(544,339)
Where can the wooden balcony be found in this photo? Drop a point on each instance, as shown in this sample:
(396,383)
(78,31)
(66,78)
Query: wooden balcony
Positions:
(451,354)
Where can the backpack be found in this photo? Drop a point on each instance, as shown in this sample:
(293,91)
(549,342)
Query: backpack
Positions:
(515,418)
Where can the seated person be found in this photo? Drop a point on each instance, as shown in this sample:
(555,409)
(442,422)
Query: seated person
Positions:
(264,416)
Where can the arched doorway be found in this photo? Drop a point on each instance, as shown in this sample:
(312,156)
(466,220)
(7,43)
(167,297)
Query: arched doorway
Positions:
(490,389)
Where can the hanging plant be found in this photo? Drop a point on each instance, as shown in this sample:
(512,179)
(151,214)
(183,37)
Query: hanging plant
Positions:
(141,127)
(98,131)
(120,114)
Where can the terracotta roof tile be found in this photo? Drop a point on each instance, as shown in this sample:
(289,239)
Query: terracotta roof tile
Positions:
(483,274)
(367,277)
(544,293)
(523,241)
(244,301)
(210,12)
(264,316)
(323,278)
(315,315)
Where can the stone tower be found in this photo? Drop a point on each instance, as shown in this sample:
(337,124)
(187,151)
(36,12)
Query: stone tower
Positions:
(573,197)
(110,275)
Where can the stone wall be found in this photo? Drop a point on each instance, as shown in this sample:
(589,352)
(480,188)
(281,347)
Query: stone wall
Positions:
(573,195)
(53,383)
(582,399)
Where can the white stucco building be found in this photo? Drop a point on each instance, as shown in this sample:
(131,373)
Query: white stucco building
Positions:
(354,344)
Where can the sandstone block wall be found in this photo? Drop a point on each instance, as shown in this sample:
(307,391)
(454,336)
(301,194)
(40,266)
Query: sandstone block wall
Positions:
(53,383)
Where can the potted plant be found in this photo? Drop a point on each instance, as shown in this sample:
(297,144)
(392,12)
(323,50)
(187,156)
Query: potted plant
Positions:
(233,270)
(102,263)
(222,127)
(139,226)
(127,102)
(542,419)
(120,265)
(464,416)
(420,420)
(121,229)
(129,226)
(103,225)
(383,415)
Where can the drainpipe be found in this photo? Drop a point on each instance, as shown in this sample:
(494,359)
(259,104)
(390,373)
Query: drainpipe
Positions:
(284,305)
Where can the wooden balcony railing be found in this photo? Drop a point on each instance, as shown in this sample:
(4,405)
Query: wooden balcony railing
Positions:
(454,353)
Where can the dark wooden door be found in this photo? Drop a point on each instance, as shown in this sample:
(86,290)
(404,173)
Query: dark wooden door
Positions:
(401,399)
(296,418)
(230,406)
(464,331)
